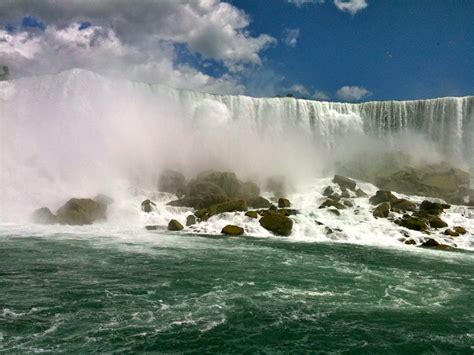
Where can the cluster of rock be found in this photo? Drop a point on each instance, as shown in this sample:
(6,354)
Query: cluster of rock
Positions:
(212,193)
(76,211)
(334,201)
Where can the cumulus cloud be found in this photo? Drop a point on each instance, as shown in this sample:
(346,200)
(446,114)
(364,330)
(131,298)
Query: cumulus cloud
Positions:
(139,40)
(352,93)
(351,6)
(320,95)
(299,89)
(302,2)
(291,36)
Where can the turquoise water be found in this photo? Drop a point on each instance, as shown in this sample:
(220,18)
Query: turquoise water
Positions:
(174,293)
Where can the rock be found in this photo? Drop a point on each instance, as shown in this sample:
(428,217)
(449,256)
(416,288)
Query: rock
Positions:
(382,196)
(226,181)
(147,206)
(198,202)
(436,222)
(229,206)
(382,210)
(410,242)
(433,208)
(348,203)
(231,229)
(80,211)
(360,193)
(277,224)
(451,233)
(174,225)
(334,197)
(190,220)
(283,203)
(172,181)
(345,194)
(413,223)
(331,203)
(402,204)
(249,190)
(277,185)
(460,230)
(252,214)
(334,211)
(44,216)
(431,243)
(104,199)
(328,191)
(152,227)
(288,211)
(344,183)
(258,202)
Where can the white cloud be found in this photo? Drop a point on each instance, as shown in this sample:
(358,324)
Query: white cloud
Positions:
(302,2)
(351,6)
(352,93)
(291,36)
(320,95)
(299,89)
(138,39)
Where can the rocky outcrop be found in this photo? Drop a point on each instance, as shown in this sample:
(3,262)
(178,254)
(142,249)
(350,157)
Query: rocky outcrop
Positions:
(277,224)
(413,223)
(229,206)
(80,211)
(344,182)
(332,203)
(231,229)
(174,226)
(382,210)
(44,216)
(172,181)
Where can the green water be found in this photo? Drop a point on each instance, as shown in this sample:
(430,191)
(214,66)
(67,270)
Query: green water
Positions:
(168,293)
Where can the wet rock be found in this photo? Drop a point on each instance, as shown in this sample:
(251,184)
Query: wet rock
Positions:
(360,193)
(229,206)
(147,206)
(334,211)
(451,233)
(328,191)
(433,208)
(277,224)
(231,229)
(334,197)
(348,203)
(190,220)
(252,214)
(432,243)
(199,202)
(382,210)
(410,242)
(382,196)
(81,211)
(44,216)
(283,202)
(258,202)
(436,222)
(172,181)
(174,225)
(413,223)
(460,230)
(344,182)
(226,181)
(152,227)
(345,194)
(331,203)
(403,205)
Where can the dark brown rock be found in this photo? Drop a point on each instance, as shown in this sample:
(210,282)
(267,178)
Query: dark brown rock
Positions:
(382,210)
(252,214)
(344,182)
(283,202)
(229,206)
(80,211)
(190,220)
(231,229)
(174,225)
(331,203)
(147,206)
(382,196)
(277,224)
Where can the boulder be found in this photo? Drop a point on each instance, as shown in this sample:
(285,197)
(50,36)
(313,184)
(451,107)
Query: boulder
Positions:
(44,216)
(382,210)
(173,182)
(152,227)
(334,211)
(174,225)
(231,229)
(436,222)
(328,191)
(258,202)
(451,233)
(460,230)
(382,196)
(283,202)
(226,181)
(344,182)
(252,214)
(198,202)
(277,224)
(403,205)
(345,194)
(80,211)
(360,193)
(190,220)
(334,197)
(147,206)
(348,203)
(413,223)
(431,243)
(331,203)
(410,242)
(433,208)
(229,206)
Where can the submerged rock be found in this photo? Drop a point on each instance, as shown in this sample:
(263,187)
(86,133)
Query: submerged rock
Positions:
(231,229)
(147,206)
(344,182)
(283,203)
(44,216)
(229,206)
(80,211)
(174,225)
(277,224)
(382,210)
(172,181)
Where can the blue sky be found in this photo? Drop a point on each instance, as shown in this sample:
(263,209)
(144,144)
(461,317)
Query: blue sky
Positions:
(340,50)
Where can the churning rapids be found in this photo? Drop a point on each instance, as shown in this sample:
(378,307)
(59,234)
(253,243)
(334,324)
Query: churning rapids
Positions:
(114,286)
